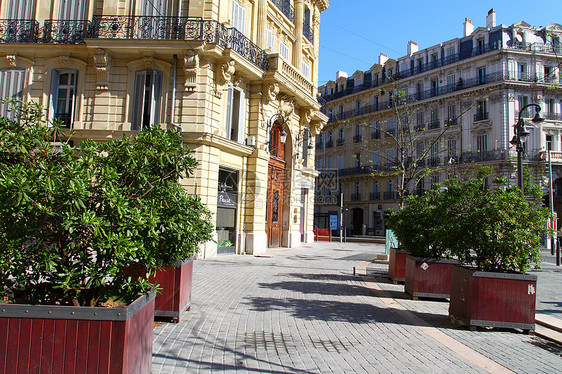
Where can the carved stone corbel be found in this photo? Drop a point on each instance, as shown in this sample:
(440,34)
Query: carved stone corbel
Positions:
(306,116)
(64,60)
(315,127)
(286,106)
(102,63)
(226,71)
(271,92)
(190,69)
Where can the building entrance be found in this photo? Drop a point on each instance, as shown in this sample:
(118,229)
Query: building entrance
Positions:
(275,181)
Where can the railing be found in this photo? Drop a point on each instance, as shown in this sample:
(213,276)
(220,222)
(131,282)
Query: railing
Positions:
(389,195)
(434,124)
(433,161)
(340,142)
(495,155)
(286,8)
(552,116)
(451,122)
(355,197)
(329,144)
(481,116)
(376,134)
(375,196)
(65,31)
(369,169)
(19,31)
(357,138)
(133,28)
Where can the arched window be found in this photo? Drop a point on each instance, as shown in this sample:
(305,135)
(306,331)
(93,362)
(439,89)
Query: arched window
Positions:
(276,147)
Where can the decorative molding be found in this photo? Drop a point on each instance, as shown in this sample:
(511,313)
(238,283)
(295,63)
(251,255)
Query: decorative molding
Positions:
(102,63)
(12,61)
(306,115)
(190,69)
(272,91)
(64,60)
(286,106)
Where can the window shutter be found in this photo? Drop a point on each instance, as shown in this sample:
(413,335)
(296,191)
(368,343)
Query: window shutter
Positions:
(11,87)
(155,100)
(229,102)
(54,94)
(138,99)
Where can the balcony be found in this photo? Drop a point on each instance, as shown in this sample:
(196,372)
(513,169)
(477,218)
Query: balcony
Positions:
(552,116)
(329,143)
(376,135)
(355,197)
(481,116)
(389,195)
(451,122)
(433,161)
(340,142)
(133,28)
(357,138)
(362,170)
(319,145)
(375,195)
(18,31)
(286,8)
(481,156)
(434,124)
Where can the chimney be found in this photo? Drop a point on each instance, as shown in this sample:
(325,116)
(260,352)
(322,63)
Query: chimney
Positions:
(340,74)
(382,58)
(468,27)
(412,48)
(491,19)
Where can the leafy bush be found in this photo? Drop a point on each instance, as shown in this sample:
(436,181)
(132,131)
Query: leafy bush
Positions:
(74,220)
(491,229)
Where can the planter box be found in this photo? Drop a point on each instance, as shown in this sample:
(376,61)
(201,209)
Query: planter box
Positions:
(67,339)
(428,277)
(175,294)
(397,265)
(481,298)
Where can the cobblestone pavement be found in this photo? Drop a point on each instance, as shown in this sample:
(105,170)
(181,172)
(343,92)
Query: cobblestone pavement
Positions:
(303,311)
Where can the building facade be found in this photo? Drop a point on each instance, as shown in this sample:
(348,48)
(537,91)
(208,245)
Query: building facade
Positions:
(236,77)
(437,112)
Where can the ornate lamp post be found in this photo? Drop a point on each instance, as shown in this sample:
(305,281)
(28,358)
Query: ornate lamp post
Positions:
(520,134)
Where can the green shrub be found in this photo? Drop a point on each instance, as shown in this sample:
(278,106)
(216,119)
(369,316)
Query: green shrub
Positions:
(74,220)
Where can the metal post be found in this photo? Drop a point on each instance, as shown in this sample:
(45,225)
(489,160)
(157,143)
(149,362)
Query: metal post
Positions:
(558,253)
(341,217)
(551,202)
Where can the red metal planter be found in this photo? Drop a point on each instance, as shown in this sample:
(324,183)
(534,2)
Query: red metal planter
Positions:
(491,299)
(428,277)
(175,294)
(67,339)
(397,265)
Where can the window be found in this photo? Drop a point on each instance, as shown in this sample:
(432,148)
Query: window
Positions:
(151,27)
(63,92)
(376,80)
(319,164)
(305,68)
(358,107)
(390,156)
(269,39)
(451,112)
(20,9)
(330,114)
(434,181)
(238,17)
(434,88)
(11,87)
(451,148)
(549,142)
(482,144)
(357,158)
(481,75)
(376,157)
(521,72)
(434,115)
(73,10)
(419,121)
(340,162)
(305,144)
(481,46)
(481,110)
(235,110)
(419,90)
(390,125)
(284,51)
(551,105)
(522,101)
(376,103)
(341,112)
(329,163)
(146,101)
(451,82)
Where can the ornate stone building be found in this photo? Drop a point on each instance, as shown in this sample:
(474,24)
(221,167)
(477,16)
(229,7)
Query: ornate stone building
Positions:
(457,101)
(236,77)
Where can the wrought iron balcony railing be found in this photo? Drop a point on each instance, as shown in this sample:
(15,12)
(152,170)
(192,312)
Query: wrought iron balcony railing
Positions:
(389,195)
(329,144)
(286,8)
(19,31)
(481,116)
(434,124)
(375,195)
(376,134)
(340,141)
(357,138)
(355,197)
(65,31)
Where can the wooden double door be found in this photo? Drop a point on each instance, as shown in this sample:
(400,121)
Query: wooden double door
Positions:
(274,216)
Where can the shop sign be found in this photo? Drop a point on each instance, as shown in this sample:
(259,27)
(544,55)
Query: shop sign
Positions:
(227,200)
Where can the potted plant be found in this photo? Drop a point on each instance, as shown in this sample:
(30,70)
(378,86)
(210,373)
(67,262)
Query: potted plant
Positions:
(428,263)
(73,221)
(396,259)
(497,238)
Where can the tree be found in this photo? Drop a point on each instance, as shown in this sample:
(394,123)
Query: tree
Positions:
(74,220)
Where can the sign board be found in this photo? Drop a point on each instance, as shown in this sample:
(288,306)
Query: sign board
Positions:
(227,200)
(333,222)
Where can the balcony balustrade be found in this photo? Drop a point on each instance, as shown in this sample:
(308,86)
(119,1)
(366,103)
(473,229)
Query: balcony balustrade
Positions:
(19,31)
(389,195)
(481,116)
(286,8)
(65,31)
(357,138)
(376,134)
(355,197)
(435,124)
(340,142)
(375,195)
(329,144)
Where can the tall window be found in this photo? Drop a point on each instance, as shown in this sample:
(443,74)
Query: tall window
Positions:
(341,136)
(305,146)
(20,9)
(482,144)
(357,158)
(482,75)
(11,87)
(235,111)
(451,82)
(451,148)
(305,68)
(521,71)
(269,39)
(451,117)
(358,107)
(63,93)
(73,10)
(340,162)
(284,50)
(376,157)
(238,17)
(481,110)
(146,101)
(376,103)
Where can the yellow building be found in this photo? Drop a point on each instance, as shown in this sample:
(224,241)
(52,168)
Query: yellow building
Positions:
(236,77)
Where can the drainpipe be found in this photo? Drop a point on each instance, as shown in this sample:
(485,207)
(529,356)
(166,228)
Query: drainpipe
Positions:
(173,109)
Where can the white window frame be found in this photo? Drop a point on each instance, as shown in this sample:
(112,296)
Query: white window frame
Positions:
(284,51)
(148,86)
(69,101)
(12,82)
(235,114)
(269,40)
(305,68)
(238,17)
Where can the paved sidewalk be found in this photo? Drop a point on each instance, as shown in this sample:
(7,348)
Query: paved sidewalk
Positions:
(303,311)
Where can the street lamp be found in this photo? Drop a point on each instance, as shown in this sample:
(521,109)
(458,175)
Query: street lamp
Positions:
(520,134)
(270,123)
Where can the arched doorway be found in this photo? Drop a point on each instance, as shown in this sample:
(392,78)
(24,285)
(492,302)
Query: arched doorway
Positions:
(275,184)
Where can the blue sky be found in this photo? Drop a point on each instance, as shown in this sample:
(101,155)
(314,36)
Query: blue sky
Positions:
(354,32)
